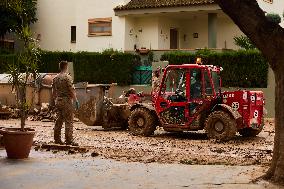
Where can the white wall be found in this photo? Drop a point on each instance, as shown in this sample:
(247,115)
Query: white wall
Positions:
(148,37)
(165,25)
(226,31)
(55,18)
(197,24)
(98,9)
(131,36)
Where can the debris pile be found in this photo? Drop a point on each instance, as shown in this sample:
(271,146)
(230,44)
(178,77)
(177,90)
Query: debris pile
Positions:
(70,149)
(7,112)
(45,113)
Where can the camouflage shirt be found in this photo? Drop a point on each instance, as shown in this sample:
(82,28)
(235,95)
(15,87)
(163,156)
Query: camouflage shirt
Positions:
(63,85)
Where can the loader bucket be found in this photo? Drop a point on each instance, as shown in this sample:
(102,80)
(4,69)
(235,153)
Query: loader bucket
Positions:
(91,98)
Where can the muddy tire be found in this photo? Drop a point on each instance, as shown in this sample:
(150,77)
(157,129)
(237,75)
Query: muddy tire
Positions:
(221,126)
(249,132)
(142,122)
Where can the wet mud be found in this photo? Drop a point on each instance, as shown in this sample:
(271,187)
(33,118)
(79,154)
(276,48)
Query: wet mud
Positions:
(164,147)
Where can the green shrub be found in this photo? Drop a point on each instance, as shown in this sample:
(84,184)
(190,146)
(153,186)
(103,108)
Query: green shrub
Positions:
(178,57)
(104,68)
(4,60)
(49,60)
(244,42)
(93,67)
(247,69)
(273,17)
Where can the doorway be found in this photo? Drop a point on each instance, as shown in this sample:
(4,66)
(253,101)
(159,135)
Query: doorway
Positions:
(173,38)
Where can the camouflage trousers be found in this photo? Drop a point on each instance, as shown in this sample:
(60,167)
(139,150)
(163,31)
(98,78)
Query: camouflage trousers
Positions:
(65,113)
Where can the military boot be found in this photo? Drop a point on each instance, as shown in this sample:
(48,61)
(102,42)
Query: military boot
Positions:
(57,137)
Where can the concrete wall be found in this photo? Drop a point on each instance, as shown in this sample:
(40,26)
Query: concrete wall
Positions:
(34,96)
(7,97)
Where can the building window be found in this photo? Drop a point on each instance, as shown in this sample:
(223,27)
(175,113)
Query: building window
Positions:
(269,1)
(100,27)
(73,34)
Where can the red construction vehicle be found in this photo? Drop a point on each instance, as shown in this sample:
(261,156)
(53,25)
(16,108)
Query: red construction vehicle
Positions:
(190,99)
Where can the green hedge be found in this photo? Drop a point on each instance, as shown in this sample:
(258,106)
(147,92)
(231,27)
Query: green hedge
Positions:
(105,67)
(4,60)
(49,60)
(247,69)
(94,67)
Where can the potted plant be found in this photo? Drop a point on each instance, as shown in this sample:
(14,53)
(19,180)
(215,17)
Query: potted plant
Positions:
(18,141)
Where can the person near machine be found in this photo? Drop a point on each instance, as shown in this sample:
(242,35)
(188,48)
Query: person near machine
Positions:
(64,95)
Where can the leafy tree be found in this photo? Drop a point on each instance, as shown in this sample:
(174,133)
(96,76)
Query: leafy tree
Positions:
(25,67)
(10,18)
(244,42)
(273,17)
(268,37)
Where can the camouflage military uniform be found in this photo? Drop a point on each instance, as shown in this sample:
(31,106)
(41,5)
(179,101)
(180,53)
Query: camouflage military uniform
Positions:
(63,86)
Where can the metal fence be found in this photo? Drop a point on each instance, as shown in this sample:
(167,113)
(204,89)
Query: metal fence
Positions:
(142,75)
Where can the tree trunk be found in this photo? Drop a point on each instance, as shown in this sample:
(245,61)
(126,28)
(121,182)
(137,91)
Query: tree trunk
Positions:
(22,94)
(276,170)
(269,39)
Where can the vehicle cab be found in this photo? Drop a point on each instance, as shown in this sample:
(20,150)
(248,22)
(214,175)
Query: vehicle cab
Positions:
(185,91)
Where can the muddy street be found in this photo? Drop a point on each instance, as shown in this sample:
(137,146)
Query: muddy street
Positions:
(46,171)
(185,148)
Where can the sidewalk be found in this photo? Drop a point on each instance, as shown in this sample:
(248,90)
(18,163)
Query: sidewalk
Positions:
(45,170)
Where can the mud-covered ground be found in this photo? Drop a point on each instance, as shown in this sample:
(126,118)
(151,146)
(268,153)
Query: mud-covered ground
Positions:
(163,147)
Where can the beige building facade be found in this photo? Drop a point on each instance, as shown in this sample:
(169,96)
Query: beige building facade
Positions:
(95,25)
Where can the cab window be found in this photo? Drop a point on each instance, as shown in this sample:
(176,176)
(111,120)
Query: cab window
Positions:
(208,86)
(175,81)
(216,81)
(195,83)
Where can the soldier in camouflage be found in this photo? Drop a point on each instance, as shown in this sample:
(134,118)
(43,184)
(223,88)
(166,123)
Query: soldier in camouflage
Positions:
(64,95)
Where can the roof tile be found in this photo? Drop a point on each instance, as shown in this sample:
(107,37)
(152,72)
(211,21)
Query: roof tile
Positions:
(144,4)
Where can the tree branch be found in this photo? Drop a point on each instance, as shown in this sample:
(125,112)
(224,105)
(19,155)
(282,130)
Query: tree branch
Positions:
(250,18)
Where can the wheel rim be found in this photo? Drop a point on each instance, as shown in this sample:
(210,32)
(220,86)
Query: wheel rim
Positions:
(219,126)
(140,122)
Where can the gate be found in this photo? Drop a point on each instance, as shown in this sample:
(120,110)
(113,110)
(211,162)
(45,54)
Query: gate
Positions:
(142,75)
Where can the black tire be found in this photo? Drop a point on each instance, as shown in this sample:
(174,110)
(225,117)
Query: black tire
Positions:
(249,132)
(142,122)
(124,125)
(221,126)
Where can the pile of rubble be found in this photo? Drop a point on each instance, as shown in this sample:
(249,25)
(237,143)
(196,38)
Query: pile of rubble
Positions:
(7,112)
(45,113)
